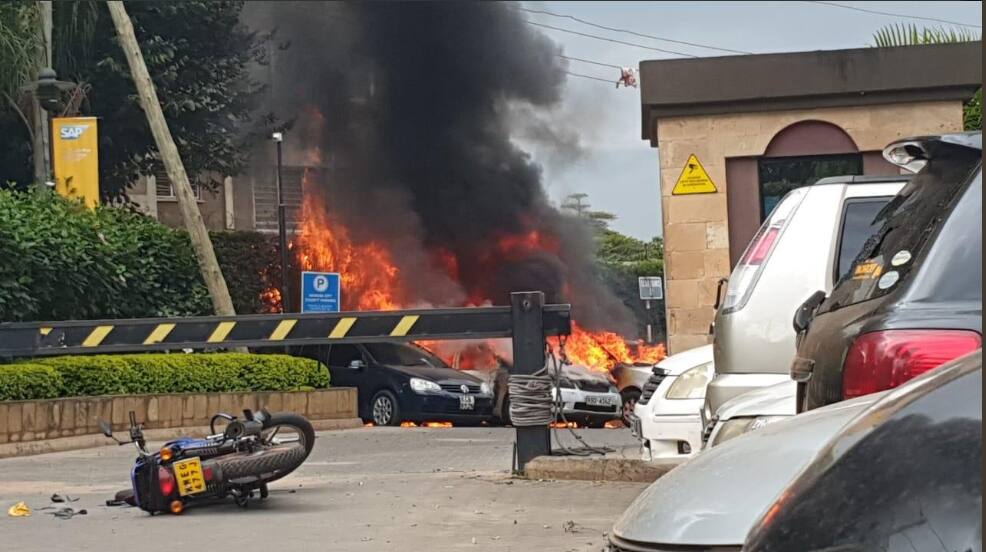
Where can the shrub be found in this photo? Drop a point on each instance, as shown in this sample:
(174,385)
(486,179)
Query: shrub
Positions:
(250,265)
(29,381)
(62,261)
(72,376)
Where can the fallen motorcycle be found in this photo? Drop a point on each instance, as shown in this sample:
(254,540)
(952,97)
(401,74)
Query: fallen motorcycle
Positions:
(239,461)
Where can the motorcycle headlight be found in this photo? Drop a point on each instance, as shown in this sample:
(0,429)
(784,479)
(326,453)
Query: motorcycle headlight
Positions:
(485,388)
(738,426)
(419,385)
(691,384)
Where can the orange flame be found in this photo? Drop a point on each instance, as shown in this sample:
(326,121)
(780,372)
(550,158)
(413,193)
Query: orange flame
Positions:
(603,351)
(370,280)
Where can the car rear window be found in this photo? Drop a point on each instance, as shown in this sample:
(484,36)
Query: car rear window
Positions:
(403,355)
(905,225)
(858,223)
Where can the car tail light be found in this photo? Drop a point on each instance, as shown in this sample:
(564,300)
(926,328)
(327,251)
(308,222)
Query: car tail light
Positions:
(760,249)
(744,277)
(883,360)
(165,481)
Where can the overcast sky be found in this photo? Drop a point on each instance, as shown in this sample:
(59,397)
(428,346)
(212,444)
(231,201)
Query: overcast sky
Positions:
(616,168)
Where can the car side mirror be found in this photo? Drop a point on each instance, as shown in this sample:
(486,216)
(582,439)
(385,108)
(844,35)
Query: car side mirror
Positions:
(105,428)
(357,364)
(804,313)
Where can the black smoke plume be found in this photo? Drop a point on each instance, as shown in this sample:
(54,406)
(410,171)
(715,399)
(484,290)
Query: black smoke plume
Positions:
(409,104)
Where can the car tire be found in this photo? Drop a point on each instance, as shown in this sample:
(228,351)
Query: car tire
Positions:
(384,409)
(629,397)
(505,412)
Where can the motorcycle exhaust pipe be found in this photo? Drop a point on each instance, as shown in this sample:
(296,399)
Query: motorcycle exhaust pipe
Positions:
(237,429)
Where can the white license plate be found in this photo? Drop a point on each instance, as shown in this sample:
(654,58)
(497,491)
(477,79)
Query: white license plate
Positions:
(635,428)
(593,400)
(467,402)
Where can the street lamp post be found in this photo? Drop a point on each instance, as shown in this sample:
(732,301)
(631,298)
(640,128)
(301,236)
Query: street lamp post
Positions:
(282,233)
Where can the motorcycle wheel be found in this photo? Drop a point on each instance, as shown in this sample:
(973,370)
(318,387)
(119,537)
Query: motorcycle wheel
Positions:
(262,466)
(286,427)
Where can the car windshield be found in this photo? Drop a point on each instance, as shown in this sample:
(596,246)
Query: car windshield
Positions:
(905,226)
(403,355)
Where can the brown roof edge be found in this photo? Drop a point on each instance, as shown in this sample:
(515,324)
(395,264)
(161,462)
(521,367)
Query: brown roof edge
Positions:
(830,78)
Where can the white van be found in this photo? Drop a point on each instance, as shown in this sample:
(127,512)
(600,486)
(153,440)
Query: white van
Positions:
(806,244)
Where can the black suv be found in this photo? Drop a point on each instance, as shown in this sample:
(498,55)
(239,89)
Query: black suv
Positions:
(398,383)
(913,298)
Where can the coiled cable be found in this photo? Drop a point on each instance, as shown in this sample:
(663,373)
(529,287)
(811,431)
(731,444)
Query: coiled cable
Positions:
(531,401)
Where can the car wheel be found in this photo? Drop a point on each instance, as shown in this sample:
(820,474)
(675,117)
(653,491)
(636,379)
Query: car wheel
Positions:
(505,412)
(384,410)
(630,398)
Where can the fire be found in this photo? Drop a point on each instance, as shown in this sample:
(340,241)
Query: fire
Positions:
(439,425)
(604,351)
(271,298)
(370,280)
(564,425)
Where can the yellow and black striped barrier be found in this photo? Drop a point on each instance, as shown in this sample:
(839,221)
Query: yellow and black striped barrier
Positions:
(215,332)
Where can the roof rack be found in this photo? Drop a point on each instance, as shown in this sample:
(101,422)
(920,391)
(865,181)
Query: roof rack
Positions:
(863,179)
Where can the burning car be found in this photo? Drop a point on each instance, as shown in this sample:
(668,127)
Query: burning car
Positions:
(588,397)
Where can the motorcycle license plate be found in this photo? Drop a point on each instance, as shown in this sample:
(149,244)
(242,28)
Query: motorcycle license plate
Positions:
(635,428)
(189,475)
(594,400)
(467,402)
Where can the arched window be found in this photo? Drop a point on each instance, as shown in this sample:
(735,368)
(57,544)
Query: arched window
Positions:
(801,154)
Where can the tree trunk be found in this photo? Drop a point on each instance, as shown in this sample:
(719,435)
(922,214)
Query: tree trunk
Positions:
(40,139)
(221,301)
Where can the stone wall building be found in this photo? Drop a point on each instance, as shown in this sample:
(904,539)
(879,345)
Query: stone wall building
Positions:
(819,114)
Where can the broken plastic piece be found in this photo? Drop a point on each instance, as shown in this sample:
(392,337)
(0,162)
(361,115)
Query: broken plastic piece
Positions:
(19,510)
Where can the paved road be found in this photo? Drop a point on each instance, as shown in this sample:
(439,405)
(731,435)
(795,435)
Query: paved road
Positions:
(366,489)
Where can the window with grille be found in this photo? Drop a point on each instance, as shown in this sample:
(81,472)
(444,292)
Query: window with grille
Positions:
(165,189)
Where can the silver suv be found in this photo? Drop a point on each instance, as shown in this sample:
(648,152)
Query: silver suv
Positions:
(806,244)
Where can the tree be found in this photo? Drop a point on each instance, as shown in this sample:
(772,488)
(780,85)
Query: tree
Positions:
(211,273)
(576,205)
(899,34)
(198,55)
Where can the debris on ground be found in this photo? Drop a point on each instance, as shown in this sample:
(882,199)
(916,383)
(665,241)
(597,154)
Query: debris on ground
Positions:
(59,498)
(68,513)
(19,510)
(570,527)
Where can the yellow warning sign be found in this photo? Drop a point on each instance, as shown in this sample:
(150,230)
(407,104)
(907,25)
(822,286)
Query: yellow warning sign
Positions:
(693,179)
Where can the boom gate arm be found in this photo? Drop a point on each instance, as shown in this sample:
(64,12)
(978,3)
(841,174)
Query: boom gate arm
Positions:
(214,332)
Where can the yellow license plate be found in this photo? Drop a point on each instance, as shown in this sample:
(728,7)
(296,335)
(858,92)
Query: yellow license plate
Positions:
(189,475)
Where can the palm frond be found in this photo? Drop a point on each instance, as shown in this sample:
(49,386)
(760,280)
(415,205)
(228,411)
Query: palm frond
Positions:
(901,34)
(20,42)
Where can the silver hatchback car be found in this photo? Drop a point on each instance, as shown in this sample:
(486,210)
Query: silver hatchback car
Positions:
(806,243)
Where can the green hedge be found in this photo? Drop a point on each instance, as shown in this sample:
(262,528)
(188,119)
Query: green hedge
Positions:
(29,381)
(62,261)
(73,376)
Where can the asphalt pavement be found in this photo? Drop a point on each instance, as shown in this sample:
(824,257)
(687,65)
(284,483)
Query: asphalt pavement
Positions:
(365,489)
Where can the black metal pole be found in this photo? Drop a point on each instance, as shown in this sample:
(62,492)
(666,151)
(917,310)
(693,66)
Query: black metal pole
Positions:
(528,344)
(282,232)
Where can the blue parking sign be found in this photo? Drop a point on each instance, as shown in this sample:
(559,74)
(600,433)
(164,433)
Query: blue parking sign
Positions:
(320,292)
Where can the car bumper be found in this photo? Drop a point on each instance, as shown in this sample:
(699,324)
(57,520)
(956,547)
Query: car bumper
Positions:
(578,405)
(672,436)
(725,386)
(446,407)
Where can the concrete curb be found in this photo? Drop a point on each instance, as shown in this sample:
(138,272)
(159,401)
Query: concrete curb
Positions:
(578,468)
(61,444)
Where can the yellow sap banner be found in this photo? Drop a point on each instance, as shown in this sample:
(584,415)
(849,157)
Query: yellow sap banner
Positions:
(75,142)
